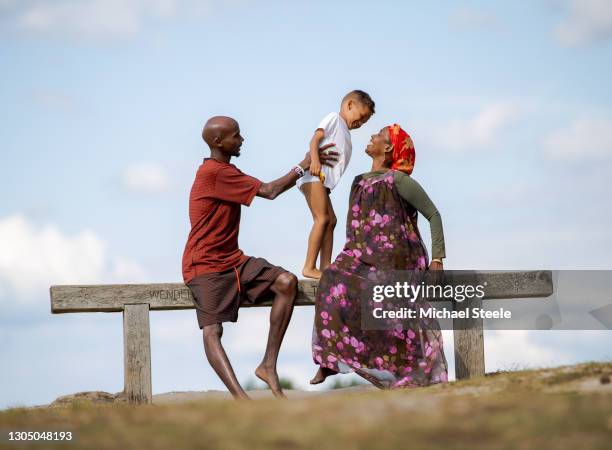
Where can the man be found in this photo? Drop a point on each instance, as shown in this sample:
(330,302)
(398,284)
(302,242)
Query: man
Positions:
(219,274)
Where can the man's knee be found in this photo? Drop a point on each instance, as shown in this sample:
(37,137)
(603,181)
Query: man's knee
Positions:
(212,332)
(286,283)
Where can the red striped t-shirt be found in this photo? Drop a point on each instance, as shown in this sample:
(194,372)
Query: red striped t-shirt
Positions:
(214,211)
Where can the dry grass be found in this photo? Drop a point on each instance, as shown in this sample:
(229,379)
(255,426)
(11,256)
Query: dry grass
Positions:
(566,407)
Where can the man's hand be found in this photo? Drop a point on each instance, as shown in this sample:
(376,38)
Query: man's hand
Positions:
(327,158)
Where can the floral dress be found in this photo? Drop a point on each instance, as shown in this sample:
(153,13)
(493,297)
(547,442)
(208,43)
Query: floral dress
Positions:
(382,236)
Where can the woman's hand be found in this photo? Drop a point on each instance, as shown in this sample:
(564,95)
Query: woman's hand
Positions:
(326,159)
(436,265)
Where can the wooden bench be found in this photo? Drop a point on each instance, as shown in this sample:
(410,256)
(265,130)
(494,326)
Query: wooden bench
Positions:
(136,300)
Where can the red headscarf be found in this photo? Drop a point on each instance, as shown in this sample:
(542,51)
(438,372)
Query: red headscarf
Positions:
(403,149)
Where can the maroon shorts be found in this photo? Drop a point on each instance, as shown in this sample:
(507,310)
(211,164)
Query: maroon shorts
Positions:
(219,295)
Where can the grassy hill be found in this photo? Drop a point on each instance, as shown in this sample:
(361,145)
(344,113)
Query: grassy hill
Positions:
(566,407)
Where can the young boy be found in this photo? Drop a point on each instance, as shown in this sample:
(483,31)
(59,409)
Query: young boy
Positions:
(356,109)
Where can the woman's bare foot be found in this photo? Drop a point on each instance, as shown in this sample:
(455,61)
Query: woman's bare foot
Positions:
(311,273)
(321,375)
(270,377)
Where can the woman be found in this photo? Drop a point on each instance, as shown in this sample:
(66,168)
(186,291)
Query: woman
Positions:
(382,237)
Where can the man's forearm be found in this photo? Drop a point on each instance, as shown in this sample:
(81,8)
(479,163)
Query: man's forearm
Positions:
(274,188)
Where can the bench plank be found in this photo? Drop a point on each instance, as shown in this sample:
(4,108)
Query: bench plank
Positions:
(167,296)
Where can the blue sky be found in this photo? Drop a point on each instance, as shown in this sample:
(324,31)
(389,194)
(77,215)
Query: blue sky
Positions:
(102,103)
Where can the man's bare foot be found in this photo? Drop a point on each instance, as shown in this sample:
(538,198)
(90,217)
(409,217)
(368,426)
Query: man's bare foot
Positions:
(270,377)
(321,375)
(311,273)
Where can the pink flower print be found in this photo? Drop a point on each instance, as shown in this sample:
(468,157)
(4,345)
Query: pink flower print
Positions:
(408,369)
(332,358)
(411,334)
(325,322)
(342,304)
(367,228)
(355,223)
(339,345)
(422,364)
(319,359)
(354,341)
(372,213)
(357,253)
(346,340)
(355,207)
(341,287)
(393,349)
(377,219)
(333,333)
(369,250)
(421,262)
(345,329)
(356,365)
(413,236)
(428,350)
(383,238)
(325,332)
(324,314)
(378,361)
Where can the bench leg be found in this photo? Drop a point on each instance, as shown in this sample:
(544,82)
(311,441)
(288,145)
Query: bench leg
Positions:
(469,343)
(137,354)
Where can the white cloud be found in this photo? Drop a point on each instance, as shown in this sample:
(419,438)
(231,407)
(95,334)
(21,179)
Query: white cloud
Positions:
(586,138)
(515,350)
(53,99)
(95,18)
(587,21)
(148,178)
(33,258)
(478,132)
(466,18)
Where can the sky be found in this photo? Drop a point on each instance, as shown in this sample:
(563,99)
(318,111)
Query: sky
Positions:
(102,103)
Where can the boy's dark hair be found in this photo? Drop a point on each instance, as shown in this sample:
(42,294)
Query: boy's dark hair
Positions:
(362,97)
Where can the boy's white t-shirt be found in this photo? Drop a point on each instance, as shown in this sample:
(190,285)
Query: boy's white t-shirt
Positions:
(335,130)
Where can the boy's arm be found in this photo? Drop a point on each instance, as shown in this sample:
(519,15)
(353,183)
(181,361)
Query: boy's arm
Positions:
(274,188)
(315,164)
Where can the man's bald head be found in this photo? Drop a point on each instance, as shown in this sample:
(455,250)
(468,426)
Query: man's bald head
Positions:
(222,134)
(217,128)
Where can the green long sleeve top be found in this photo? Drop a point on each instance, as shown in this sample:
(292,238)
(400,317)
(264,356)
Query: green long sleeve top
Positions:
(411,191)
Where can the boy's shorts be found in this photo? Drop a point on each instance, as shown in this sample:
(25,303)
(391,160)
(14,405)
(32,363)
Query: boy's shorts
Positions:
(218,296)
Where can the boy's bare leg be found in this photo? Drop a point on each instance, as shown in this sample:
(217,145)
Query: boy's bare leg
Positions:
(317,199)
(285,288)
(218,359)
(328,238)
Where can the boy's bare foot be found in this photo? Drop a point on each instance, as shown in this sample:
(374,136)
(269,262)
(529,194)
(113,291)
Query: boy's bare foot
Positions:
(311,273)
(321,375)
(270,377)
